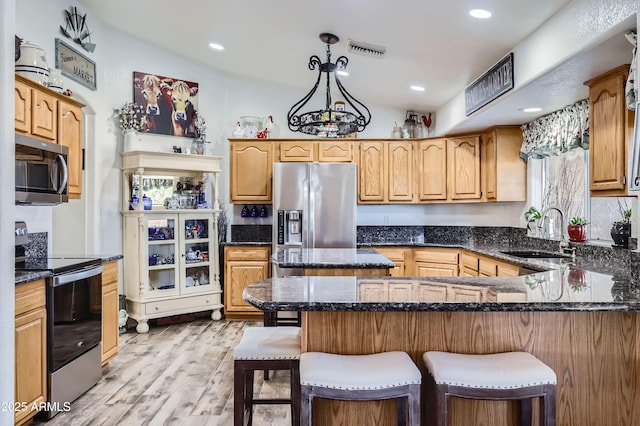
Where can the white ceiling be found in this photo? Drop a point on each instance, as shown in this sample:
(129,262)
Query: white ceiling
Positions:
(433,43)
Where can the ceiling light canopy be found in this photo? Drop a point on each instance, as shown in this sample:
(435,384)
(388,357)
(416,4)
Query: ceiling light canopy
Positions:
(417,88)
(480,13)
(216,46)
(346,116)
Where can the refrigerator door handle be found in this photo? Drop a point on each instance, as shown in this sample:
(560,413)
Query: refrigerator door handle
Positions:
(308,222)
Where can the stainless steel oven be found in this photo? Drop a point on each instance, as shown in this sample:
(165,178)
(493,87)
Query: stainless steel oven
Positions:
(74,322)
(74,329)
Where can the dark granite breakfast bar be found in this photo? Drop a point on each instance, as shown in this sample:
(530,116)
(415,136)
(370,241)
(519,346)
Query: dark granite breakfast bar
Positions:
(333,262)
(584,324)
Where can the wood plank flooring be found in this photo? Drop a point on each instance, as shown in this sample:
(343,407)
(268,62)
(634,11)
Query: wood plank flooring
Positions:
(181,374)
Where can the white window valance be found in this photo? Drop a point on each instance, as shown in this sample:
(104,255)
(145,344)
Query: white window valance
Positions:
(558,132)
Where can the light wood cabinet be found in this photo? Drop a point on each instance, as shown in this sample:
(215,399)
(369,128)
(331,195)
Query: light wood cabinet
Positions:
(251,171)
(435,262)
(30,348)
(296,151)
(44,118)
(432,170)
(392,291)
(400,256)
(110,312)
(385,172)
(46,114)
(449,169)
(22,107)
(610,133)
(70,135)
(463,168)
(504,173)
(335,151)
(243,265)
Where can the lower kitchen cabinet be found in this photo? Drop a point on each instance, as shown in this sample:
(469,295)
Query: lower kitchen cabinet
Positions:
(436,262)
(110,312)
(243,265)
(30,348)
(401,256)
(170,264)
(474,265)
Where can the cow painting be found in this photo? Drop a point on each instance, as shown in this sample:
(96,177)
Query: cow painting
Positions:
(170,105)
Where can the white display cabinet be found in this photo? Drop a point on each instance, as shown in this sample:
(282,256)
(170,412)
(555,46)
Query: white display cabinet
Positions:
(171,264)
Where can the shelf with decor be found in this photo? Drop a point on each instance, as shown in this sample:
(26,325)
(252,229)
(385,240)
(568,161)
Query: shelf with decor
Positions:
(171,264)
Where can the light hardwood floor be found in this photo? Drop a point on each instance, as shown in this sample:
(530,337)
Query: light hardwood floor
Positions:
(180,374)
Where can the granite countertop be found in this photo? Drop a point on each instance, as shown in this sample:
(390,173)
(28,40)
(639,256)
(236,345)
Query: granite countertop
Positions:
(562,289)
(318,258)
(246,243)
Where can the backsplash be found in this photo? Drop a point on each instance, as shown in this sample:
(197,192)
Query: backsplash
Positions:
(38,244)
(251,233)
(389,234)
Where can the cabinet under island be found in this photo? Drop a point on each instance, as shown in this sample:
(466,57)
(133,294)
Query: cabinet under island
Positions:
(586,329)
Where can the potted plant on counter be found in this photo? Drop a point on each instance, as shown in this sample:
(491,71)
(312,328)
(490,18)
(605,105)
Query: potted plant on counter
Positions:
(577,229)
(532,216)
(621,229)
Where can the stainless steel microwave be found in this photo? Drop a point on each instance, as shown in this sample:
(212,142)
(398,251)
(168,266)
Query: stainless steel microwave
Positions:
(41,172)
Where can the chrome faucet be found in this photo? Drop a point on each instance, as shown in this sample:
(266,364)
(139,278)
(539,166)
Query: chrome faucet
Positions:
(564,245)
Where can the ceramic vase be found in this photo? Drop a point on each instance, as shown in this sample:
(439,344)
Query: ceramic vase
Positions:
(620,233)
(577,233)
(32,63)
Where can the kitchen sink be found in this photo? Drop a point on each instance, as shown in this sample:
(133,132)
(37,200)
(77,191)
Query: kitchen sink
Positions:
(536,254)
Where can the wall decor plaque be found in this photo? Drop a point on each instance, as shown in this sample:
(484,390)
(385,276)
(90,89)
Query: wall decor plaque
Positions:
(75,65)
(490,85)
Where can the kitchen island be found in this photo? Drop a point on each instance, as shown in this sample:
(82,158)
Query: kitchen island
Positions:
(583,324)
(332,262)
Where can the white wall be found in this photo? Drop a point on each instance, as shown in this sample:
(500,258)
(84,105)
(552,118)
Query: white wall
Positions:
(579,25)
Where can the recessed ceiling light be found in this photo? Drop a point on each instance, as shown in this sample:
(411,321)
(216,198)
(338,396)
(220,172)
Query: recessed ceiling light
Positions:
(216,46)
(531,109)
(342,73)
(417,88)
(480,13)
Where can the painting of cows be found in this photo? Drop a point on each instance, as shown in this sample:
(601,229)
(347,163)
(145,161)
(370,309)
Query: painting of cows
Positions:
(169,104)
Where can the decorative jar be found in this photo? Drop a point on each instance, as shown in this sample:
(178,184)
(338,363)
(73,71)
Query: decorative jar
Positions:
(32,63)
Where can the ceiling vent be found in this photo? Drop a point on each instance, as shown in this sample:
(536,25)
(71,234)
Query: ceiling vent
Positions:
(365,49)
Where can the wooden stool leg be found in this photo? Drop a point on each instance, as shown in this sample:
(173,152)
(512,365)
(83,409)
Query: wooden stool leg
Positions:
(548,406)
(295,395)
(401,410)
(305,406)
(525,411)
(441,408)
(238,394)
(414,406)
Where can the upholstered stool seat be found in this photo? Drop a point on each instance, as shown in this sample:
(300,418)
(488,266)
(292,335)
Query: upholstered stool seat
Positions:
(265,348)
(501,376)
(378,376)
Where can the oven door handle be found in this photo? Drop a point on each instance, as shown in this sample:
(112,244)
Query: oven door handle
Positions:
(87,272)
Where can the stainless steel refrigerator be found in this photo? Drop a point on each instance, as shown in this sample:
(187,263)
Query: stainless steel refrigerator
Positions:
(314,206)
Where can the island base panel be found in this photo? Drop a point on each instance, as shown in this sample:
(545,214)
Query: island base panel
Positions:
(596,356)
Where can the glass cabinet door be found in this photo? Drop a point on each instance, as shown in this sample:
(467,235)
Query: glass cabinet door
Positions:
(196,245)
(161,256)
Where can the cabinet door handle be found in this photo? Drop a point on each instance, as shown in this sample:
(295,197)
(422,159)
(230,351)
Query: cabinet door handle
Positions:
(624,180)
(637,181)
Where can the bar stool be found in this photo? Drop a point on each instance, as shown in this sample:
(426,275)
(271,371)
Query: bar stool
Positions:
(265,348)
(501,376)
(378,376)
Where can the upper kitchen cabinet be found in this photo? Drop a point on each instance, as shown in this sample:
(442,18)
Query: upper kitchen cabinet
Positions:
(251,169)
(504,173)
(432,170)
(449,169)
(70,135)
(45,114)
(463,168)
(385,172)
(325,151)
(610,133)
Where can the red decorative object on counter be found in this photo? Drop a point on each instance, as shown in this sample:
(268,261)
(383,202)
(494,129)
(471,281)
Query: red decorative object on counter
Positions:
(577,233)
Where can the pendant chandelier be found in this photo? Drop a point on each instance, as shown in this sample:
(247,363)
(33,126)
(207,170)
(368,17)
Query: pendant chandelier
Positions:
(346,116)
